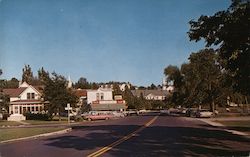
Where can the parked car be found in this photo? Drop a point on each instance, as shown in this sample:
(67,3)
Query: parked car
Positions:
(98,116)
(191,112)
(131,112)
(118,114)
(204,113)
(164,112)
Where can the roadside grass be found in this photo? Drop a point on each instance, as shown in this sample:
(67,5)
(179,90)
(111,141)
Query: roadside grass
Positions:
(9,123)
(13,133)
(39,122)
(239,125)
(55,120)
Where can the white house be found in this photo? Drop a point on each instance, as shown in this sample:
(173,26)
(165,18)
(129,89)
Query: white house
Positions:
(151,94)
(25,98)
(101,94)
(102,99)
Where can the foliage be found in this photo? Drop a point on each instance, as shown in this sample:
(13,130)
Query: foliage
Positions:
(173,75)
(37,116)
(197,82)
(152,87)
(229,31)
(82,83)
(12,83)
(27,75)
(43,76)
(157,104)
(116,89)
(4,103)
(58,95)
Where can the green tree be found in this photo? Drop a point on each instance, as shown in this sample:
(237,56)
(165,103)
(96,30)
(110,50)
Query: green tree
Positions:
(152,87)
(205,77)
(228,31)
(58,95)
(27,75)
(173,75)
(4,102)
(116,89)
(12,83)
(82,83)
(129,98)
(43,76)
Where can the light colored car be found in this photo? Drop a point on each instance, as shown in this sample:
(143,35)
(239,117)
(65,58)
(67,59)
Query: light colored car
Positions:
(164,112)
(118,114)
(98,116)
(131,112)
(204,113)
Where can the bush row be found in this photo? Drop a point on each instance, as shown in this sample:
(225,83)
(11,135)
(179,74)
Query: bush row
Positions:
(36,116)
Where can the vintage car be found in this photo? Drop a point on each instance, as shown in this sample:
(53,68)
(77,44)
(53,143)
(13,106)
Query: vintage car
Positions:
(98,116)
(204,113)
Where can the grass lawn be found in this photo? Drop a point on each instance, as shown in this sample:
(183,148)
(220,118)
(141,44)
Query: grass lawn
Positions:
(238,125)
(13,133)
(38,122)
(245,123)
(8,123)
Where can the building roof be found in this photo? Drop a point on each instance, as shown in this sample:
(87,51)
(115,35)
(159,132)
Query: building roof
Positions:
(146,92)
(29,101)
(81,92)
(107,107)
(14,92)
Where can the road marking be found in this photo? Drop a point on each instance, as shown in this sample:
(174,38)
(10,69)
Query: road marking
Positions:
(109,147)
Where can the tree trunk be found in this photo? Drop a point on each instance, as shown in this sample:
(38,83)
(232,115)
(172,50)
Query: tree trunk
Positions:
(246,103)
(59,114)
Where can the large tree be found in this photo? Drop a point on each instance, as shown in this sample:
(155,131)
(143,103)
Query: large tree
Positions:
(43,76)
(27,75)
(58,95)
(205,77)
(229,32)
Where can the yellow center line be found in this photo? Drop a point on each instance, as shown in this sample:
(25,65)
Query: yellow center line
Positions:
(107,148)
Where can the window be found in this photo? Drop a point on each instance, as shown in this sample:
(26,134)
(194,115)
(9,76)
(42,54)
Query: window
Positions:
(102,96)
(30,95)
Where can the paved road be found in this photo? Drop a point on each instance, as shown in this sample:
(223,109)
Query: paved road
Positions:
(162,136)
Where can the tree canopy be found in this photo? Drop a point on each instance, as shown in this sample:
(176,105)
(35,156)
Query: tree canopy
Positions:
(229,32)
(57,94)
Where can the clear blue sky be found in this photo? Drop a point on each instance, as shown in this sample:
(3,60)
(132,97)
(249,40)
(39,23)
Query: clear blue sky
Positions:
(102,40)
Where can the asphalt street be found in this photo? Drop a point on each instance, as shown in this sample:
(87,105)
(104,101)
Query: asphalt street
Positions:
(148,135)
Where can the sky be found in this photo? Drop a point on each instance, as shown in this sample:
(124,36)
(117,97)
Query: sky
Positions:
(101,40)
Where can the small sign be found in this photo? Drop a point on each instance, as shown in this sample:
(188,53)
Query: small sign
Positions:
(68,107)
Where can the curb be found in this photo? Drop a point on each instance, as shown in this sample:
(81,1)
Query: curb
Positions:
(221,125)
(37,136)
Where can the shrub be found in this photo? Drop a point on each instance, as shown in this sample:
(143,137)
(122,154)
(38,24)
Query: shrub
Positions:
(36,116)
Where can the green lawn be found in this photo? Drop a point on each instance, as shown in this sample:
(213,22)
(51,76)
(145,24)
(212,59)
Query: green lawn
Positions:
(13,133)
(8,123)
(236,123)
(38,122)
(243,126)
